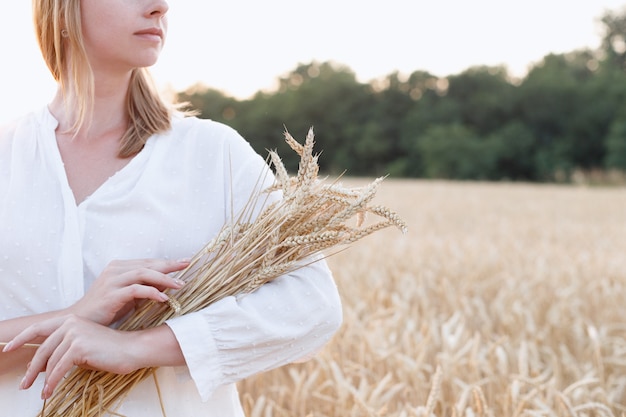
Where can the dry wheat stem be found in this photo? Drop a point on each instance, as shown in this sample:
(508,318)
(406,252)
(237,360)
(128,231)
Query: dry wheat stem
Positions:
(25,345)
(435,392)
(288,234)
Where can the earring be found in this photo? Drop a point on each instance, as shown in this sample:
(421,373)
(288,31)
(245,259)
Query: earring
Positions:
(65,33)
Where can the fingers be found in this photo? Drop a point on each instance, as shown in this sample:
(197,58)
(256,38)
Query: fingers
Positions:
(168,266)
(31,333)
(74,342)
(152,272)
(124,281)
(119,285)
(137,291)
(164,266)
(37,364)
(147,276)
(81,343)
(35,331)
(61,361)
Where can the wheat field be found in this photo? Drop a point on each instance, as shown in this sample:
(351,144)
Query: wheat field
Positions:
(502,300)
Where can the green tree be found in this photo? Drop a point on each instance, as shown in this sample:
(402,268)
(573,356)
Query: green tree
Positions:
(614,39)
(210,103)
(616,146)
(455,152)
(328,98)
(554,102)
(484,96)
(513,147)
(428,109)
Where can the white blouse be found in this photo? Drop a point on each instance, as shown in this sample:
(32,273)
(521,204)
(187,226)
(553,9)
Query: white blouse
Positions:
(169,201)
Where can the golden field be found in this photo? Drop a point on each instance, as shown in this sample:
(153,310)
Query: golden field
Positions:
(502,300)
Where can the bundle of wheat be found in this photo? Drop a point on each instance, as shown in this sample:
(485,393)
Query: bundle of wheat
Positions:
(310,218)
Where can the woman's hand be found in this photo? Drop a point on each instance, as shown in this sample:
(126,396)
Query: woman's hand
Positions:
(112,295)
(75,341)
(115,291)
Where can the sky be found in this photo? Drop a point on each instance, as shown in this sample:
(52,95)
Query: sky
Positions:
(243,46)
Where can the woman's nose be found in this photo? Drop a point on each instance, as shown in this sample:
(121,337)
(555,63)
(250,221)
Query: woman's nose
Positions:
(158,8)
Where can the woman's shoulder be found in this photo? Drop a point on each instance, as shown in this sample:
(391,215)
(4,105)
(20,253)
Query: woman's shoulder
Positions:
(203,129)
(8,128)
(17,127)
(33,119)
(196,132)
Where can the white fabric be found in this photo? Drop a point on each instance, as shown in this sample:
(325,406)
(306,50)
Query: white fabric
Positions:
(166,203)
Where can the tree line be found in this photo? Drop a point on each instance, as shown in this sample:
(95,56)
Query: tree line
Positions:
(566,115)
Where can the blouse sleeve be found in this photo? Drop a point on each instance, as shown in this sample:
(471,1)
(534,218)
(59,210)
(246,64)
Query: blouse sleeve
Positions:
(284,321)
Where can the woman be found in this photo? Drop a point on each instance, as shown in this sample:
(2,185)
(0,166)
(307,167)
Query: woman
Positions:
(106,192)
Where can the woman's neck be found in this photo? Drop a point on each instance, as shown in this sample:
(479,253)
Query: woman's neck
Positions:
(108,112)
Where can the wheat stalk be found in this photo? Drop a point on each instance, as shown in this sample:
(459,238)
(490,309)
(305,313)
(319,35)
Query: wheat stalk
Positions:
(25,345)
(310,218)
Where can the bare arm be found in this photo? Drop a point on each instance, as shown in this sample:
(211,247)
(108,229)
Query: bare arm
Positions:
(74,341)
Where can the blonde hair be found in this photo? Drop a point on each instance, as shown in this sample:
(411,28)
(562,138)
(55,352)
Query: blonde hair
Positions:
(58,30)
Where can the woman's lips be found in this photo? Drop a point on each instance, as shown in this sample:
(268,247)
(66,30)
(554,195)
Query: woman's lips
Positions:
(153,34)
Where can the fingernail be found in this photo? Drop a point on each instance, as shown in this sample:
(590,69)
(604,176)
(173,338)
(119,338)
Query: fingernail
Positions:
(179,282)
(163,297)
(45,394)
(184,260)
(23,383)
(7,346)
